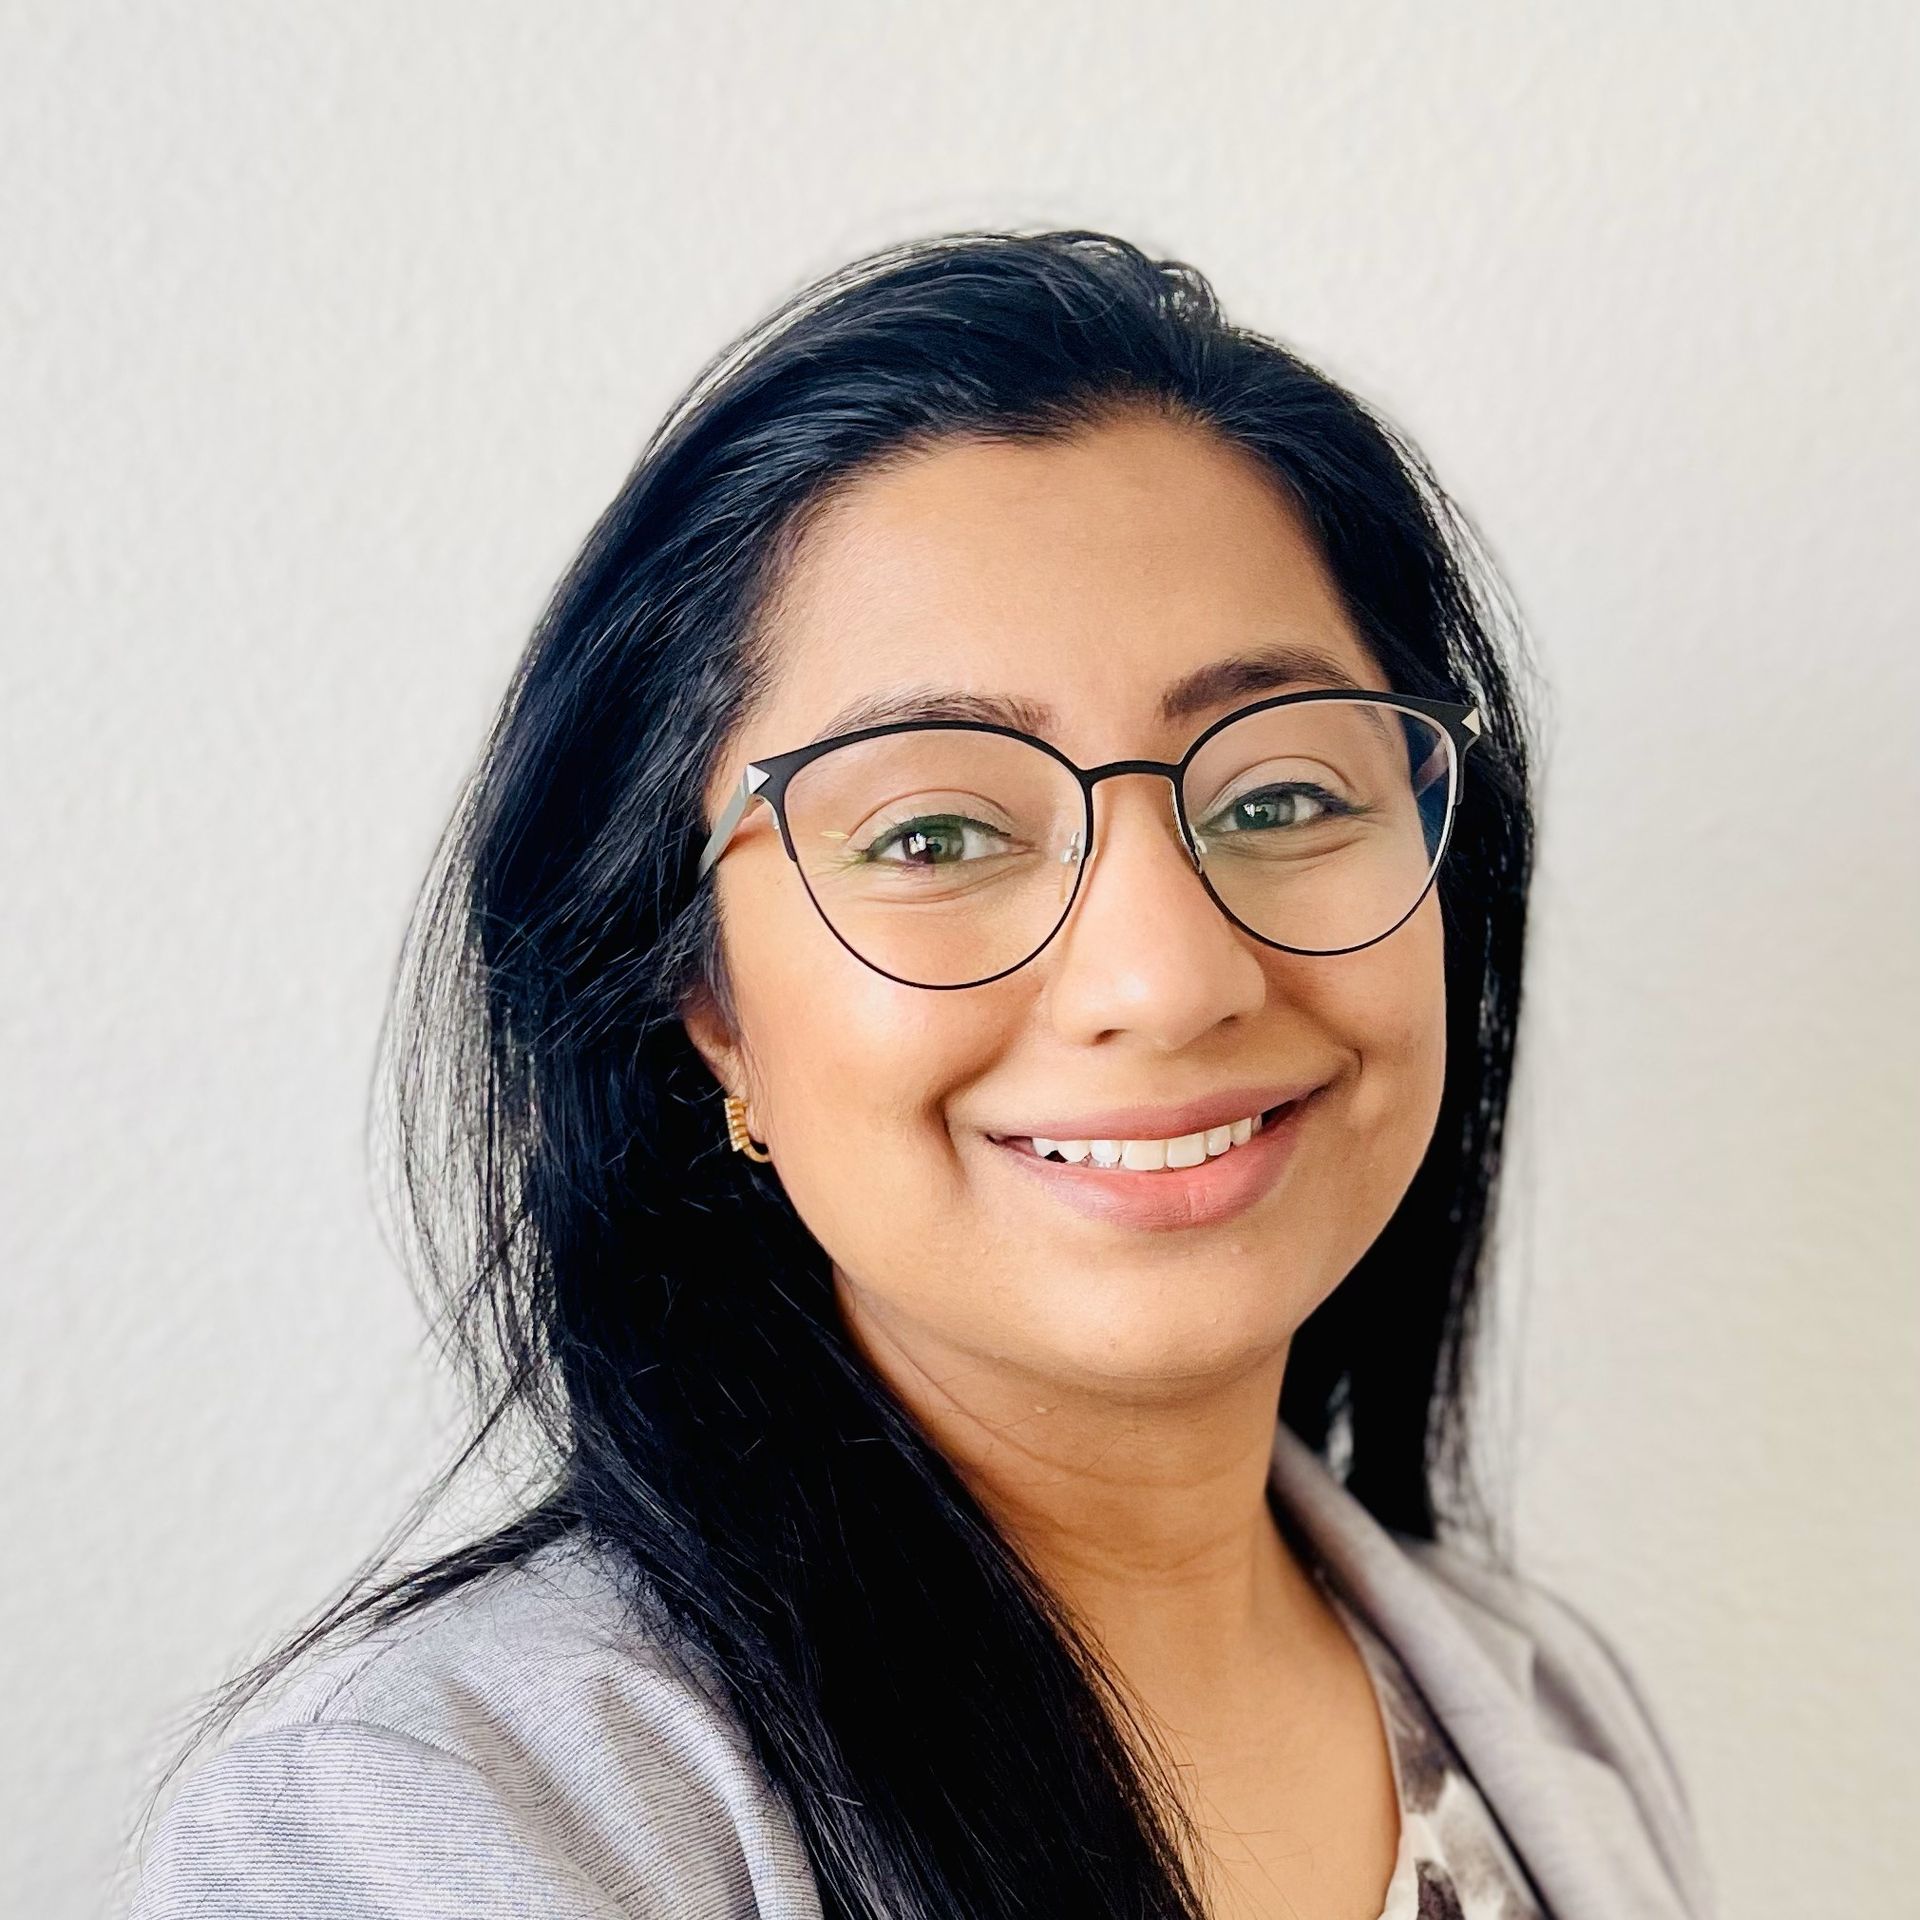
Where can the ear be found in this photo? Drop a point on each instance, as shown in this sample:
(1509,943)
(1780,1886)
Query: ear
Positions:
(714,1038)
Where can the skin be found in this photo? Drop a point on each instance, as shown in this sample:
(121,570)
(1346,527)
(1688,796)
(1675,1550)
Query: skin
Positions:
(1108,1391)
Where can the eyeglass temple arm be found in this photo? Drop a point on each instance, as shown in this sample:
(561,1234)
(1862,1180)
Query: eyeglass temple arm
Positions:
(1430,767)
(751,781)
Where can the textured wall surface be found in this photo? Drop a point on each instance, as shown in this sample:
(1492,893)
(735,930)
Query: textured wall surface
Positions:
(327,331)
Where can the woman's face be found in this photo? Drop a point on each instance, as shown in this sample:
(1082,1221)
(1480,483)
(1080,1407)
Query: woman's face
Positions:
(1084,576)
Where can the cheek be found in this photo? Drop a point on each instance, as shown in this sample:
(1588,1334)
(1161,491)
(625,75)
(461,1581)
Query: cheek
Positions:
(1387,1005)
(852,1074)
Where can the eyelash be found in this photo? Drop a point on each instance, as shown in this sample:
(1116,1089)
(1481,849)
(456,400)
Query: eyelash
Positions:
(1330,804)
(871,856)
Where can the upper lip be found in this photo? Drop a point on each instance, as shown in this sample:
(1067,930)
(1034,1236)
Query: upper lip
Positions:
(1165,1123)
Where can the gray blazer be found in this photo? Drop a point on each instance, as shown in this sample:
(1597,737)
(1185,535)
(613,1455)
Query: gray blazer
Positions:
(1559,1738)
(525,1750)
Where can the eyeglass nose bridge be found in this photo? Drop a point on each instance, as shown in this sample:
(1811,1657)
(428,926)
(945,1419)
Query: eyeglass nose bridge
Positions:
(1172,771)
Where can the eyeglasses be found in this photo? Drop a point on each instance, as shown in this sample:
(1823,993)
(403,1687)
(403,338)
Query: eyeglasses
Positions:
(947,853)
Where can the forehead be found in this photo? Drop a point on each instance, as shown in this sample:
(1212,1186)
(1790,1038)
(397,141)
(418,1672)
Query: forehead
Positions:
(1082,576)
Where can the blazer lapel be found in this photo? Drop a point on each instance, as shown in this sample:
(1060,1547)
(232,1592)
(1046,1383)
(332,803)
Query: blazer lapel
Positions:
(1554,1801)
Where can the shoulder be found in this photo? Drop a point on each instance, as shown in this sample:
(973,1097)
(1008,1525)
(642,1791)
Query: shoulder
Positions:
(1580,1688)
(526,1744)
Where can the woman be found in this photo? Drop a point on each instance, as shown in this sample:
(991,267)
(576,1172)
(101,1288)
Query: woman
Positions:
(962,1031)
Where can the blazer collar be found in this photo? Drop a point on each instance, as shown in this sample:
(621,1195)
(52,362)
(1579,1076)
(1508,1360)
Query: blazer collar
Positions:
(1552,1800)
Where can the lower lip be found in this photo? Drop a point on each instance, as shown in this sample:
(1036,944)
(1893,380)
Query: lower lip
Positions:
(1169,1197)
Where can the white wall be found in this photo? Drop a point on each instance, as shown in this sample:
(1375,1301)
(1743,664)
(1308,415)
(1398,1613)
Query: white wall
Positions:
(328,330)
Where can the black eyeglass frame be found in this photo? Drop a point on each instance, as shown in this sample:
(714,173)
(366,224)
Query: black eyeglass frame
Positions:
(767,778)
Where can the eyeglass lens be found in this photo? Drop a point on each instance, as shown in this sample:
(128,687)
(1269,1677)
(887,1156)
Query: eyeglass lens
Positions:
(945,856)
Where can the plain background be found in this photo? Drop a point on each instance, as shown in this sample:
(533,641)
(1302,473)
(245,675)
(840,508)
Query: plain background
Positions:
(328,331)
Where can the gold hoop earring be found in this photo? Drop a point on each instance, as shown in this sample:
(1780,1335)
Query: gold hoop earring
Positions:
(737,1135)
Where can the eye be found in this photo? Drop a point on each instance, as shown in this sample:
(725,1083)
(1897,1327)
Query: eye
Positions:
(935,840)
(1294,804)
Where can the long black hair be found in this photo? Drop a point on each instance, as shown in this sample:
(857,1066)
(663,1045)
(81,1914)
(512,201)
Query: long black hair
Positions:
(642,1319)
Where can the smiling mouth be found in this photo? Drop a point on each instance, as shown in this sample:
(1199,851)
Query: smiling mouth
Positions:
(1152,1156)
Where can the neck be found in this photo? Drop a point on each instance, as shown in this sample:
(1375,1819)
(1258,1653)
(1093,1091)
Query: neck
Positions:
(1145,1512)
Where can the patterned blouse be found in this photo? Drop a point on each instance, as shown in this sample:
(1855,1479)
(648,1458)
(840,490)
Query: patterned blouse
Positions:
(1453,1863)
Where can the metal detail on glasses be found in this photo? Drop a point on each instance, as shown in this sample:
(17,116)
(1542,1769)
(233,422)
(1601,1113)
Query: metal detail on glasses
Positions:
(946,853)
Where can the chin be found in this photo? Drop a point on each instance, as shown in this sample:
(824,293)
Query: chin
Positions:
(1142,1332)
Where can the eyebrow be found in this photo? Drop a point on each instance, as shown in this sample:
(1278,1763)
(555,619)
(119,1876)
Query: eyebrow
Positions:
(1238,676)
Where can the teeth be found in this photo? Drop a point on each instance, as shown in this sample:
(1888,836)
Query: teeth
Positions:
(1148,1156)
(1072,1151)
(1188,1151)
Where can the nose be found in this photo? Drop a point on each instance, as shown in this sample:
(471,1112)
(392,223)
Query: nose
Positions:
(1145,951)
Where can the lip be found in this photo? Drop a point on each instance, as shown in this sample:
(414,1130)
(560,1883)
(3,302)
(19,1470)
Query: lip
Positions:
(1164,1123)
(1171,1197)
